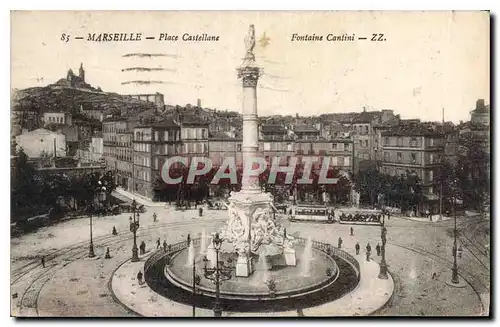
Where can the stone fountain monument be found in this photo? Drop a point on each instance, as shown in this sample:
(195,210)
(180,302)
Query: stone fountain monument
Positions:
(251,229)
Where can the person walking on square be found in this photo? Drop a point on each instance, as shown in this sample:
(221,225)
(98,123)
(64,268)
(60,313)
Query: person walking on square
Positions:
(43,262)
(142,247)
(352,231)
(139,277)
(377,248)
(158,243)
(114,232)
(107,256)
(165,245)
(340,242)
(357,248)
(154,217)
(368,251)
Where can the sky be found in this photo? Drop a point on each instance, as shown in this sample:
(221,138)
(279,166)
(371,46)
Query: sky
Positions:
(429,61)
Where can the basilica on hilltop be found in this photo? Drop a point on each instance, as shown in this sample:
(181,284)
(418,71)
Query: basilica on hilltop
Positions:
(75,81)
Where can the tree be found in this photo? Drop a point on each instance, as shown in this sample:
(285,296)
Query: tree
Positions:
(25,186)
(368,183)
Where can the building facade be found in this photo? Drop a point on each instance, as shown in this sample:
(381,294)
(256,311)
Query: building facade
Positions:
(157,98)
(153,144)
(194,136)
(57,117)
(221,146)
(117,150)
(415,149)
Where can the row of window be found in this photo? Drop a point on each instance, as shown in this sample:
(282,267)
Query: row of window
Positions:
(414,142)
(142,161)
(114,128)
(427,177)
(166,136)
(194,133)
(334,161)
(362,129)
(273,146)
(142,147)
(52,119)
(144,175)
(413,158)
(195,148)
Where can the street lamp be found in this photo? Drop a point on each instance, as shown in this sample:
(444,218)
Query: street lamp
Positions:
(196,281)
(101,189)
(383,265)
(454,276)
(217,274)
(134,226)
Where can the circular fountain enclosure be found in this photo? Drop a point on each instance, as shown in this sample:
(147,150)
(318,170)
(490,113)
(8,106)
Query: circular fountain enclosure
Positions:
(315,270)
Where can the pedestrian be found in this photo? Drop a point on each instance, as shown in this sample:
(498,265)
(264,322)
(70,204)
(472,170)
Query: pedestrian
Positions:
(340,242)
(142,247)
(43,262)
(368,251)
(139,277)
(165,245)
(377,248)
(357,248)
(158,243)
(154,217)
(352,231)
(107,256)
(114,232)
(200,211)
(434,275)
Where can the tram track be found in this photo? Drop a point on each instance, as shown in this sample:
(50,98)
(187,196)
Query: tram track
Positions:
(471,279)
(29,298)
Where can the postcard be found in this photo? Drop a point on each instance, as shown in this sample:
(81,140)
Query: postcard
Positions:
(250,164)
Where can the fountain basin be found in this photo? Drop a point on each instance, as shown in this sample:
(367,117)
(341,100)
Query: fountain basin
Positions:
(290,280)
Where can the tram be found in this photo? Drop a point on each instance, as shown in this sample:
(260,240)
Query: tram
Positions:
(358,216)
(313,213)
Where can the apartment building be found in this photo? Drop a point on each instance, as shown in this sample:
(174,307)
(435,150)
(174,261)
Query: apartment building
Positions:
(417,149)
(153,143)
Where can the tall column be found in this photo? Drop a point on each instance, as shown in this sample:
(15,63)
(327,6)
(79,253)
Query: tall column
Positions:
(251,204)
(250,146)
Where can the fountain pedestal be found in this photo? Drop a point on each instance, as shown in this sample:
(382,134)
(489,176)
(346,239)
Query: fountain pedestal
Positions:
(244,266)
(289,254)
(242,208)
(211,255)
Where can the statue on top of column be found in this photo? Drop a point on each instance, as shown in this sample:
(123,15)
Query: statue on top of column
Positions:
(250,45)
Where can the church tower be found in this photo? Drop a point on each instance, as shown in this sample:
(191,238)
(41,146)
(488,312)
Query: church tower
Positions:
(70,75)
(82,72)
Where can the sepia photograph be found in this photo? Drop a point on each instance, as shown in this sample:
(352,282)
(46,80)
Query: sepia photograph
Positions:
(243,164)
